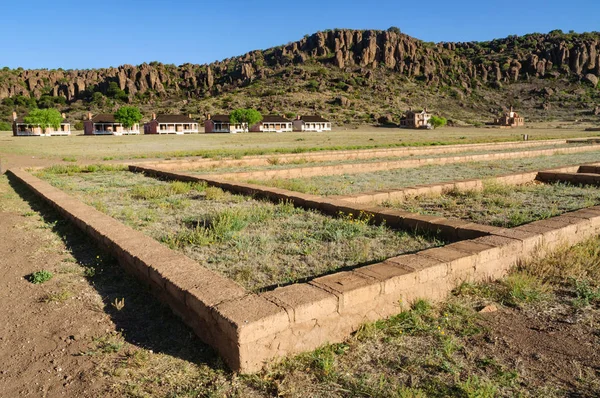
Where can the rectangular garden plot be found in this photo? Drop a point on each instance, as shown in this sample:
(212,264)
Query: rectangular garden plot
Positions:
(280,163)
(250,329)
(503,205)
(353,183)
(256,243)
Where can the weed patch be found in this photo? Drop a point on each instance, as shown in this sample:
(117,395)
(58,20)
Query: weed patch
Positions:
(40,277)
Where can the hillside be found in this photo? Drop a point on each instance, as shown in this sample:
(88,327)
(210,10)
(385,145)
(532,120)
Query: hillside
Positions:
(350,76)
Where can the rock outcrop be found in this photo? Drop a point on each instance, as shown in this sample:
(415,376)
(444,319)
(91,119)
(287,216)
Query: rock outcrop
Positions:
(460,65)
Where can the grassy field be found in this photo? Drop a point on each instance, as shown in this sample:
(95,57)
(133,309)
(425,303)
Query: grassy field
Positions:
(86,148)
(504,205)
(542,341)
(255,243)
(348,184)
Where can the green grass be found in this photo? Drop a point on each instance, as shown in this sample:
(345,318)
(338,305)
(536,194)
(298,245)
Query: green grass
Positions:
(504,205)
(40,277)
(348,184)
(256,243)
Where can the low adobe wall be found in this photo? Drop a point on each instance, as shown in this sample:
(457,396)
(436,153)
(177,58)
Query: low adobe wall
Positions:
(451,230)
(249,330)
(381,196)
(354,168)
(573,178)
(326,156)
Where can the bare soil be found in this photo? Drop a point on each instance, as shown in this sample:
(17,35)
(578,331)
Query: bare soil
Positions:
(67,337)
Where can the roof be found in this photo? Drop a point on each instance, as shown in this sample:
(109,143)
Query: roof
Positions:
(220,118)
(274,119)
(104,118)
(313,119)
(174,119)
(415,111)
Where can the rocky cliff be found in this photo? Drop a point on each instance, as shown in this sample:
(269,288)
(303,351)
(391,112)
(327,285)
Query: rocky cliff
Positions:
(574,58)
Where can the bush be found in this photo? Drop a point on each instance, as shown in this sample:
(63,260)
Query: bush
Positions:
(40,277)
(438,121)
(5,126)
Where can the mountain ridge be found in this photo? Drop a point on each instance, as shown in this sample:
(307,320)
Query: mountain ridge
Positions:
(344,64)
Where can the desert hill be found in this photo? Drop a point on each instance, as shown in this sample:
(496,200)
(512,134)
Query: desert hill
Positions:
(350,76)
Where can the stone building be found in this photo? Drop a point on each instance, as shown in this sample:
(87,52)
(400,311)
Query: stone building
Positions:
(416,119)
(510,119)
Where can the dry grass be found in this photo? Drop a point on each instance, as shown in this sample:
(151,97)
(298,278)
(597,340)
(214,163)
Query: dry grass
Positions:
(348,184)
(256,243)
(504,205)
(446,350)
(85,148)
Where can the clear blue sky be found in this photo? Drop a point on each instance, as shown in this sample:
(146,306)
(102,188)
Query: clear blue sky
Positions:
(80,34)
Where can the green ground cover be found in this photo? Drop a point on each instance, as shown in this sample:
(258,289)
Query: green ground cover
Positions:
(276,163)
(253,242)
(348,184)
(504,205)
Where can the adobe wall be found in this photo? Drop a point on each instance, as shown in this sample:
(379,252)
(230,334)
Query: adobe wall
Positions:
(249,330)
(354,168)
(326,156)
(381,196)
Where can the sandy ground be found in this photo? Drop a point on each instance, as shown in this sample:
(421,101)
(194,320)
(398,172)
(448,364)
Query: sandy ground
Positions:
(44,345)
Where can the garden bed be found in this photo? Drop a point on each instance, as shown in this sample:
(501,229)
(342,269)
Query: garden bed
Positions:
(256,243)
(278,163)
(347,184)
(504,205)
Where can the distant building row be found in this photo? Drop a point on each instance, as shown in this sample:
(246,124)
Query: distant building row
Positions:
(105,124)
(275,124)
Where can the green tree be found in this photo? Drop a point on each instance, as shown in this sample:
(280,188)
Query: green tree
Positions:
(438,121)
(114,91)
(128,116)
(98,98)
(246,117)
(44,118)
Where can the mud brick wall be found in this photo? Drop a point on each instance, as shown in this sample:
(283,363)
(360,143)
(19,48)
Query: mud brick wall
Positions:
(303,172)
(448,229)
(463,185)
(326,156)
(249,330)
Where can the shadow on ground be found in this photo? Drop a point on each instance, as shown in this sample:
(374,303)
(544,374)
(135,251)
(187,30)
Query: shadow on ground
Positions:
(144,321)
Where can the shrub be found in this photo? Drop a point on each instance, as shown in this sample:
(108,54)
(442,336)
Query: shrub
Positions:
(39,277)
(5,126)
(438,121)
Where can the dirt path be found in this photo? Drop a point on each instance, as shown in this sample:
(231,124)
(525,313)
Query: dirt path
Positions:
(40,342)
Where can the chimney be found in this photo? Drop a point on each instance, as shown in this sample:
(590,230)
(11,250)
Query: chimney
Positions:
(153,116)
(208,116)
(63,115)
(89,116)
(189,115)
(14,116)
(297,117)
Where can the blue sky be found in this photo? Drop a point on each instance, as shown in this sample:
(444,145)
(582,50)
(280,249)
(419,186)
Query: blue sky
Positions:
(78,35)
